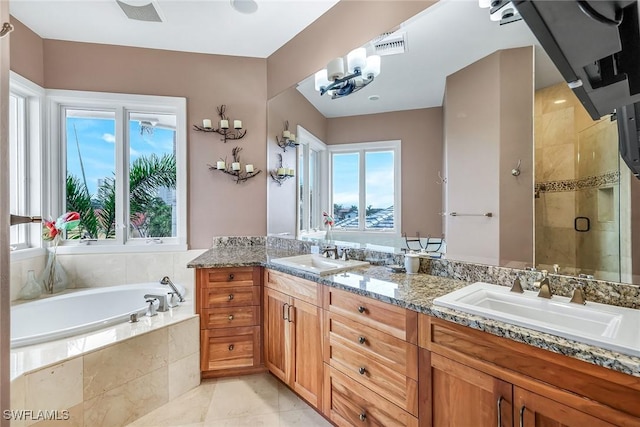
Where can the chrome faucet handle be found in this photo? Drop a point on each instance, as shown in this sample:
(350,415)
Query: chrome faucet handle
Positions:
(173,296)
(344,255)
(151,310)
(162,301)
(517,286)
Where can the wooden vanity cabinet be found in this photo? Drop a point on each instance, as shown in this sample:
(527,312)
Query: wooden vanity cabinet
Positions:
(371,366)
(293,333)
(228,302)
(466,375)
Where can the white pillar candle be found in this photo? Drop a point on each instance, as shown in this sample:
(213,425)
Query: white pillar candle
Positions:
(249,168)
(235,166)
(220,164)
(224,124)
(281,172)
(237,124)
(292,172)
(292,137)
(286,134)
(206,123)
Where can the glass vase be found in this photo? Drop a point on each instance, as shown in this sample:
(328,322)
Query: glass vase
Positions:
(31,289)
(53,278)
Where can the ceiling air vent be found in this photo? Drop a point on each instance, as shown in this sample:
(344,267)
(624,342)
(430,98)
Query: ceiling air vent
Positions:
(145,12)
(390,43)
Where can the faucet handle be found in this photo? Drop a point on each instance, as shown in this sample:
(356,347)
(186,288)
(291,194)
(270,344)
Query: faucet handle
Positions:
(578,296)
(151,310)
(517,286)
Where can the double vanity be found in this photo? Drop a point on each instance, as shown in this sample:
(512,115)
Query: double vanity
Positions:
(367,346)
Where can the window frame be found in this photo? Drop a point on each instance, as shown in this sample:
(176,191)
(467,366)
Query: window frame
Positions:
(362,148)
(32,124)
(308,141)
(58,102)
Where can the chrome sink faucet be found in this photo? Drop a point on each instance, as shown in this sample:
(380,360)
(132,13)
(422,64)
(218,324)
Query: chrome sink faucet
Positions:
(344,255)
(327,250)
(166,281)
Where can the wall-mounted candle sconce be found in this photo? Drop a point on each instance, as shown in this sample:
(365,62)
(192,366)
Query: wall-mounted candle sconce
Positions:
(6,29)
(223,129)
(236,170)
(288,139)
(281,174)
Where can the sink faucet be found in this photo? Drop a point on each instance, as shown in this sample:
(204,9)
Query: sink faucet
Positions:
(327,250)
(344,255)
(166,281)
(545,286)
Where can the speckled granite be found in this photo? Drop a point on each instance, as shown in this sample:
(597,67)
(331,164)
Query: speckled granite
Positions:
(417,292)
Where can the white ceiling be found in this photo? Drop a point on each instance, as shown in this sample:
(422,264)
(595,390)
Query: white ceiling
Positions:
(204,26)
(443,39)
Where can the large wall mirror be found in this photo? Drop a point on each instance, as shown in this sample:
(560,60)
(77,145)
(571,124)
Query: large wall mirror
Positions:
(487,125)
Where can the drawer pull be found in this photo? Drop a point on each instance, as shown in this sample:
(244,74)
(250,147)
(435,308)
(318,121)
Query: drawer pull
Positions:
(231,317)
(522,409)
(231,277)
(363,417)
(230,297)
(500,399)
(361,309)
(362,340)
(285,311)
(362,370)
(231,347)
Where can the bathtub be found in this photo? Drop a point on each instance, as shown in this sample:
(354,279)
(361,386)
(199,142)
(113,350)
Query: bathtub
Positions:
(79,312)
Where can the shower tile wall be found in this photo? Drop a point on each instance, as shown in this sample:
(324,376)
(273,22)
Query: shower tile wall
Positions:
(570,147)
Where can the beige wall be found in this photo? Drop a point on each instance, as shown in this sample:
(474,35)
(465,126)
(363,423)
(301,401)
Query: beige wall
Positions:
(27,53)
(421,134)
(487,129)
(289,106)
(347,25)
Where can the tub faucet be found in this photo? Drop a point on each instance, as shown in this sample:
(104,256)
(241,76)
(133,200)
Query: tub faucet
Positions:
(162,306)
(166,281)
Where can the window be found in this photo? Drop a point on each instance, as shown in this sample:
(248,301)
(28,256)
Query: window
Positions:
(122,160)
(312,189)
(365,183)
(25,130)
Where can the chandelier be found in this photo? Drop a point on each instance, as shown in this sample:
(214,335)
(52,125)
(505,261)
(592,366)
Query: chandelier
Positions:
(361,70)
(502,11)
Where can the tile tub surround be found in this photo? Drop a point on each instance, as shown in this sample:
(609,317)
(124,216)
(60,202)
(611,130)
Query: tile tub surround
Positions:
(114,384)
(417,293)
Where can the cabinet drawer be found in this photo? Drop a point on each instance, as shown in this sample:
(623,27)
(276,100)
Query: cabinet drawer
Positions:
(304,290)
(236,276)
(229,296)
(348,403)
(387,350)
(392,384)
(230,348)
(230,317)
(393,320)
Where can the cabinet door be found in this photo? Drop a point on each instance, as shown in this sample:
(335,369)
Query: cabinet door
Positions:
(278,351)
(533,410)
(307,341)
(463,396)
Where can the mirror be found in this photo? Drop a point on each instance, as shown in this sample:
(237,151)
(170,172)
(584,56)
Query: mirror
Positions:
(560,167)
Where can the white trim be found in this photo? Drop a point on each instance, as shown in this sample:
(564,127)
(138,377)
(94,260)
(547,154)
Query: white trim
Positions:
(121,104)
(361,148)
(309,141)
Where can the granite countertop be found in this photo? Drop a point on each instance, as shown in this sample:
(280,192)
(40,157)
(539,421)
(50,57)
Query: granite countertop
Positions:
(417,292)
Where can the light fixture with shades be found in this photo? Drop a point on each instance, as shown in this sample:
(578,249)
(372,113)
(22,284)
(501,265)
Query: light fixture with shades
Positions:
(502,11)
(361,70)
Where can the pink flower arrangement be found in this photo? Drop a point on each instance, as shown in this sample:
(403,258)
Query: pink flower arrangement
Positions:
(52,229)
(327,219)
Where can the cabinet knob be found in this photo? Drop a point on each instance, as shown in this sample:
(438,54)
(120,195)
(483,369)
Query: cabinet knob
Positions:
(362,340)
(230,297)
(231,317)
(363,417)
(231,347)
(361,309)
(362,370)
(230,276)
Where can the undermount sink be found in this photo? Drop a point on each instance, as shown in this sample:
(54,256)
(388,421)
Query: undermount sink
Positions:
(607,326)
(314,263)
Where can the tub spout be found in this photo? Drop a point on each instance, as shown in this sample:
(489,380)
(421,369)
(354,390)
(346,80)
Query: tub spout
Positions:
(166,281)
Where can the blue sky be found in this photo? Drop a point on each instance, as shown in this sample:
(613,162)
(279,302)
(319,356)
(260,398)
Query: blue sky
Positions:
(96,138)
(379,179)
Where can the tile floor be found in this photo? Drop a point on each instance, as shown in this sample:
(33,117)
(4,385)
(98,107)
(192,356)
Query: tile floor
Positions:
(253,400)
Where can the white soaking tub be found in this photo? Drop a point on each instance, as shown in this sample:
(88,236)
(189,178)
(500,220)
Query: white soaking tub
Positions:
(79,312)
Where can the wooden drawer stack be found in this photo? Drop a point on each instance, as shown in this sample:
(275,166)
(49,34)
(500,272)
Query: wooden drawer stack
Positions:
(228,301)
(370,352)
